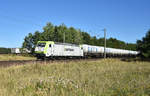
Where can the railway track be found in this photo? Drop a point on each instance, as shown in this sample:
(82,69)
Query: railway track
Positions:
(23,62)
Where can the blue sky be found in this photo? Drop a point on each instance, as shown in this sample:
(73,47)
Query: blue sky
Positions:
(126,20)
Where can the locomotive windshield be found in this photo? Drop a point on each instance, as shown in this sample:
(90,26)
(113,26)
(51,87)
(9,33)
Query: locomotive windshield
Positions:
(41,45)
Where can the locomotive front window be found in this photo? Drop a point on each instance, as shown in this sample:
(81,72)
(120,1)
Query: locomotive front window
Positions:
(50,45)
(41,45)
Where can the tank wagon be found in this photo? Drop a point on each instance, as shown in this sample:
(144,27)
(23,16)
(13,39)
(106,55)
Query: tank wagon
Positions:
(50,49)
(92,51)
(98,51)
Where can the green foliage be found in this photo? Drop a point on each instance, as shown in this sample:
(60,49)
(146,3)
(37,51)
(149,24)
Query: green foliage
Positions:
(53,33)
(62,33)
(144,46)
(5,50)
(29,42)
(114,43)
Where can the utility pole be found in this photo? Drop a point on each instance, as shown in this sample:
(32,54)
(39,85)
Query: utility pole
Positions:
(104,43)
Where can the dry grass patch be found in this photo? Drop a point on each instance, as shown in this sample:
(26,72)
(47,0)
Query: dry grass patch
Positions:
(11,57)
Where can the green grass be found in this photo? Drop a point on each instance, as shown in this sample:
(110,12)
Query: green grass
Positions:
(11,57)
(110,77)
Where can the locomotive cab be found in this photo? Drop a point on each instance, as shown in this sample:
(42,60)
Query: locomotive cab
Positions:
(44,49)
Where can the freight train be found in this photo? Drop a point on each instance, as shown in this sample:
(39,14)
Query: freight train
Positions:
(51,49)
(19,50)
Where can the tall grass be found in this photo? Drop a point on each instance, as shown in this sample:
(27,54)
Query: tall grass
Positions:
(110,77)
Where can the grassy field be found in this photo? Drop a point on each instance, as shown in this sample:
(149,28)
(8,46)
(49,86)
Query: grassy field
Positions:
(110,77)
(10,57)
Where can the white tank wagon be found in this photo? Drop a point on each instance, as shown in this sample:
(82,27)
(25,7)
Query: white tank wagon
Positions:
(98,51)
(122,52)
(111,52)
(90,50)
(134,53)
(50,49)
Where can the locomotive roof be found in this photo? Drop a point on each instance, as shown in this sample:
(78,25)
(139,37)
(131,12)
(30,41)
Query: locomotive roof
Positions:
(58,43)
(66,44)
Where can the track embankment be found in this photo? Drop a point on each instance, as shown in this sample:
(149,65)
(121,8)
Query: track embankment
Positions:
(16,62)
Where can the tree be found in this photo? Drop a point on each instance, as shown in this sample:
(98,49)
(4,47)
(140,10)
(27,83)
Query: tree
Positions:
(56,34)
(62,29)
(144,46)
(94,41)
(75,36)
(53,33)
(37,37)
(86,38)
(48,34)
(29,42)
(72,35)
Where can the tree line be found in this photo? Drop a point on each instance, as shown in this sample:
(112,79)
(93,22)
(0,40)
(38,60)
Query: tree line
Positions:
(62,33)
(5,50)
(143,46)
